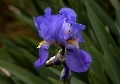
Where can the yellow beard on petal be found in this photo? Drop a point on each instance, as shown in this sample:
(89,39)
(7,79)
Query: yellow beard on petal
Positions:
(45,42)
(70,41)
(41,43)
(73,41)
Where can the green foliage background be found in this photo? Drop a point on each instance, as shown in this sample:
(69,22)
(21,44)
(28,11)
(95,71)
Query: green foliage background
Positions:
(18,52)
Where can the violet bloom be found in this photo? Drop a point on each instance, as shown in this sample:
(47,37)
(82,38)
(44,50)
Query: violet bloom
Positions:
(62,30)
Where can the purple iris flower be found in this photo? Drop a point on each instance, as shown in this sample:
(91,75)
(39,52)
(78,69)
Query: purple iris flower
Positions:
(62,29)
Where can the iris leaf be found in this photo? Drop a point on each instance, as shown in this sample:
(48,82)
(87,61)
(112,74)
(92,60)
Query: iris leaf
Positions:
(21,73)
(54,81)
(96,79)
(116,5)
(103,16)
(116,52)
(104,39)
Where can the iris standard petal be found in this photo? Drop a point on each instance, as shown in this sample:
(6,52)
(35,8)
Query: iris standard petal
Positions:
(48,10)
(66,30)
(77,60)
(72,31)
(76,31)
(37,22)
(69,14)
(45,25)
(58,26)
(43,55)
(78,27)
(51,27)
(80,39)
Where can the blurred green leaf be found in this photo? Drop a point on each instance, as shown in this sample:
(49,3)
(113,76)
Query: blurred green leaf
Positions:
(37,6)
(4,55)
(21,73)
(103,16)
(104,39)
(96,79)
(97,68)
(116,52)
(116,4)
(5,42)
(54,81)
(26,42)
(27,20)
(5,80)
(76,81)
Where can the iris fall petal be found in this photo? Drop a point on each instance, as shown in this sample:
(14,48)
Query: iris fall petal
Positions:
(43,55)
(77,60)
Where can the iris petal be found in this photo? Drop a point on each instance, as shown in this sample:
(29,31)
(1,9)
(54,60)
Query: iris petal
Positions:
(69,14)
(77,60)
(65,75)
(37,22)
(47,30)
(45,25)
(87,59)
(48,10)
(72,31)
(58,33)
(49,27)
(80,39)
(43,55)
(78,27)
(76,31)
